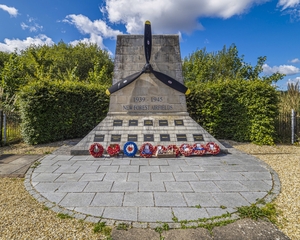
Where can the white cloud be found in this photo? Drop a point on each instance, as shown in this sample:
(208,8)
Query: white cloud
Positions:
(288,3)
(296,60)
(32,25)
(17,44)
(11,10)
(98,29)
(284,69)
(170,16)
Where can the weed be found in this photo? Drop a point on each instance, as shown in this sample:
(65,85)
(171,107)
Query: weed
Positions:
(63,216)
(260,201)
(101,228)
(37,163)
(223,207)
(122,226)
(45,208)
(198,206)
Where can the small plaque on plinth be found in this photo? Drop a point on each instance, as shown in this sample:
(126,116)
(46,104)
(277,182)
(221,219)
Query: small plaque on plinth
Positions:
(115,138)
(118,123)
(132,138)
(133,122)
(148,123)
(181,137)
(178,122)
(163,122)
(148,137)
(165,137)
(98,138)
(198,137)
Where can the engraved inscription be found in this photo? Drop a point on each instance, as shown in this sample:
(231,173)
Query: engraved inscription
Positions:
(148,123)
(118,123)
(115,138)
(165,137)
(148,137)
(163,122)
(178,122)
(181,137)
(198,137)
(98,138)
(132,137)
(133,122)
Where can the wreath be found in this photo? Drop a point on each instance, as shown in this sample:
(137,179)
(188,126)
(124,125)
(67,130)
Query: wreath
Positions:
(159,149)
(186,149)
(96,150)
(212,148)
(113,149)
(199,149)
(173,149)
(146,150)
(130,149)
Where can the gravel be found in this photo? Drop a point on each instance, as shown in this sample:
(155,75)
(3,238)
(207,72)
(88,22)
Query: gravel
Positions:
(22,217)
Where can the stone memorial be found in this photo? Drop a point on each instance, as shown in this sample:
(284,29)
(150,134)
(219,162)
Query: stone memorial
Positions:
(146,107)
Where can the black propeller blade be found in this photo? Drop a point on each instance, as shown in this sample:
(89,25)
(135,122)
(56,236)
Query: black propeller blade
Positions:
(148,68)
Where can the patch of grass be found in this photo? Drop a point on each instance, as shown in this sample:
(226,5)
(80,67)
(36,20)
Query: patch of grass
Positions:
(254,212)
(45,208)
(37,163)
(102,228)
(198,206)
(223,207)
(122,226)
(63,216)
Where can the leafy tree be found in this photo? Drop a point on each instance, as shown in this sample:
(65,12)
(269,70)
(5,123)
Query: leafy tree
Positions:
(202,66)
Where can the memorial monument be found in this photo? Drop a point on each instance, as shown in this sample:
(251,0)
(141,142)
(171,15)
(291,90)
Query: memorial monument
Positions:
(147,98)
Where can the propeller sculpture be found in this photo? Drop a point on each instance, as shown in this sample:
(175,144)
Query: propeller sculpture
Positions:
(148,69)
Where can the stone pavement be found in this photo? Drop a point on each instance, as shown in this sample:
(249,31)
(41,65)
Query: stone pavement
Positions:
(143,191)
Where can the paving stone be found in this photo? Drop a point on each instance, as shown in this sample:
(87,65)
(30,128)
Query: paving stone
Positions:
(94,211)
(151,187)
(92,177)
(72,187)
(149,169)
(256,186)
(54,197)
(129,169)
(87,169)
(81,158)
(141,177)
(231,186)
(205,186)
(99,186)
(45,169)
(125,187)
(77,199)
(108,199)
(190,213)
(191,168)
(168,199)
(69,177)
(178,187)
(252,197)
(120,162)
(121,213)
(170,169)
(230,199)
(119,177)
(258,175)
(139,162)
(208,175)
(202,199)
(154,214)
(108,169)
(158,162)
(177,162)
(47,187)
(234,176)
(138,199)
(186,176)
(46,177)
(217,211)
(102,162)
(161,177)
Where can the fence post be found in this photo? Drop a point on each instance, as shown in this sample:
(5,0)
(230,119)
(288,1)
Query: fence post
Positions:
(293,126)
(1,126)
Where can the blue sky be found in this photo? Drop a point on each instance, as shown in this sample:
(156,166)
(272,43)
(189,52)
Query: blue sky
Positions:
(268,28)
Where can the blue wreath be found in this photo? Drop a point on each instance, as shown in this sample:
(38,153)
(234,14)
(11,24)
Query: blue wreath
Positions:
(134,151)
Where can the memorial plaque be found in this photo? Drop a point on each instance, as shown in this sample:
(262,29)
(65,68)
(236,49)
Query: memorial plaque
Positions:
(115,138)
(132,138)
(163,122)
(118,123)
(165,137)
(148,137)
(198,137)
(99,138)
(178,122)
(181,137)
(148,123)
(133,122)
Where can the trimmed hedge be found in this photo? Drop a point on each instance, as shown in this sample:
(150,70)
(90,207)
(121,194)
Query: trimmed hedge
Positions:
(53,111)
(239,110)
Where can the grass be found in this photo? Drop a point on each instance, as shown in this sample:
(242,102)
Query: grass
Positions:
(102,228)
(63,216)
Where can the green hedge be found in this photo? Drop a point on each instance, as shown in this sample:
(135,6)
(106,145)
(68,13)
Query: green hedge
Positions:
(239,110)
(53,111)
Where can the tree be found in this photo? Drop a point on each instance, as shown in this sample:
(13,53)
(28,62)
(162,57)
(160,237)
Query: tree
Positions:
(202,66)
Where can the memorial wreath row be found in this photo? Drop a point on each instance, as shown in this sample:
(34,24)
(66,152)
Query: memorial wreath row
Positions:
(148,150)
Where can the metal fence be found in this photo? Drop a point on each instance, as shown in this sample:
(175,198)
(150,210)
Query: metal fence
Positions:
(10,127)
(288,127)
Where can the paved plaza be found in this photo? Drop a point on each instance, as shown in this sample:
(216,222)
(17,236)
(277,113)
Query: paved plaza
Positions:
(150,190)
